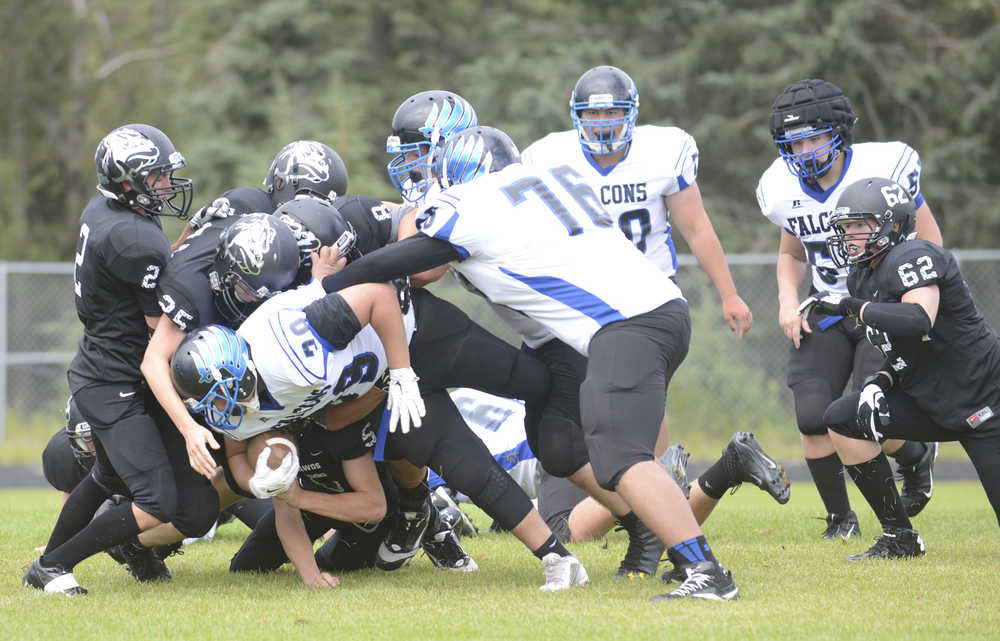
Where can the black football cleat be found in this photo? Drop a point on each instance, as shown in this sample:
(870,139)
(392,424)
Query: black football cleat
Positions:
(676,574)
(918,481)
(703,580)
(141,562)
(841,526)
(675,460)
(53,579)
(746,461)
(443,547)
(402,541)
(642,557)
(895,543)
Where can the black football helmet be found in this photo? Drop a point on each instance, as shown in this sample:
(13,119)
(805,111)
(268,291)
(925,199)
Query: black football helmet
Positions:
(421,124)
(257,258)
(81,439)
(473,153)
(305,166)
(604,88)
(317,223)
(885,207)
(126,157)
(214,374)
(807,109)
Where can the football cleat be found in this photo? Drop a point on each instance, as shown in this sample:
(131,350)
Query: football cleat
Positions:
(562,572)
(703,580)
(918,481)
(676,574)
(746,461)
(53,579)
(443,547)
(675,460)
(643,554)
(895,543)
(443,497)
(841,526)
(403,539)
(141,562)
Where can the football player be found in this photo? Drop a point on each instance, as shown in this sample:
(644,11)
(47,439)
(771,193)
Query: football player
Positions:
(812,124)
(941,359)
(644,177)
(121,250)
(577,276)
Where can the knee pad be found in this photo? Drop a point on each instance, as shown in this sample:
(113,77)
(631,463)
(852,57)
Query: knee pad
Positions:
(198,512)
(812,397)
(841,417)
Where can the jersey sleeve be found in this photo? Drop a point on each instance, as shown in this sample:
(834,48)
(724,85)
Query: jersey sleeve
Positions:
(139,257)
(907,172)
(685,163)
(184,303)
(913,265)
(351,442)
(441,219)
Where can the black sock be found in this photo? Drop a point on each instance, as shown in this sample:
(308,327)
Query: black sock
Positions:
(552,544)
(715,480)
(874,479)
(629,521)
(412,499)
(691,551)
(249,511)
(77,511)
(828,475)
(909,453)
(114,526)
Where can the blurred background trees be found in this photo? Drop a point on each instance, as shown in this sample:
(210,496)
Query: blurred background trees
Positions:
(232,81)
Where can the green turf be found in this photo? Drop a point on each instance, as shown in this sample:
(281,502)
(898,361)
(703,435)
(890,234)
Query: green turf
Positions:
(793,586)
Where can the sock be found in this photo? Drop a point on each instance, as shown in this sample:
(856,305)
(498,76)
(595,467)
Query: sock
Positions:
(551,544)
(76,513)
(716,480)
(114,526)
(412,499)
(249,511)
(909,453)
(874,479)
(828,475)
(691,551)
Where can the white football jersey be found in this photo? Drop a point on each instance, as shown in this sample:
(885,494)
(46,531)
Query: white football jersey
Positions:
(538,241)
(804,211)
(302,371)
(661,161)
(499,424)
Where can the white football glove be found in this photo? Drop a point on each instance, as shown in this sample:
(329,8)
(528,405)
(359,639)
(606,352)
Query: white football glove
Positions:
(266,482)
(405,404)
(218,208)
(873,411)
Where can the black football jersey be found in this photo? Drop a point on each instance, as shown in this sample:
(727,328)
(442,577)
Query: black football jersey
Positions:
(374,223)
(952,373)
(119,257)
(322,453)
(184,293)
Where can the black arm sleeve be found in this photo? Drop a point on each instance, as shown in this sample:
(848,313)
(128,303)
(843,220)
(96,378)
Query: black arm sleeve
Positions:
(897,319)
(409,256)
(333,319)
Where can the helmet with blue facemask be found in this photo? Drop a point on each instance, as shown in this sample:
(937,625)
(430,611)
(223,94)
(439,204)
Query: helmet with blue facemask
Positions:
(807,109)
(604,88)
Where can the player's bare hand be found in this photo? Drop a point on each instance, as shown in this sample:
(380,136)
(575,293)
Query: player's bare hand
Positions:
(198,439)
(323,580)
(792,324)
(737,314)
(326,261)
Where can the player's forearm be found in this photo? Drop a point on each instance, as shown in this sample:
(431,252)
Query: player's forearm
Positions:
(295,540)
(707,249)
(790,274)
(387,321)
(409,256)
(155,368)
(353,507)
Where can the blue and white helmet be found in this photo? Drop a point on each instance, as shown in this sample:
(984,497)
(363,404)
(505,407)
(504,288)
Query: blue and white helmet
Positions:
(214,374)
(473,153)
(604,88)
(421,124)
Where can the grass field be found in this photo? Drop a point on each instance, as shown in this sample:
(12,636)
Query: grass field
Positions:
(793,586)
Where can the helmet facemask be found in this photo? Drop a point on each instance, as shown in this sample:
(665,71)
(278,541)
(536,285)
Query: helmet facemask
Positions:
(606,135)
(815,163)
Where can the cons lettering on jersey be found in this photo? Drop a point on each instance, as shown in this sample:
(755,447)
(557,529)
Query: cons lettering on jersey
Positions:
(619,194)
(809,224)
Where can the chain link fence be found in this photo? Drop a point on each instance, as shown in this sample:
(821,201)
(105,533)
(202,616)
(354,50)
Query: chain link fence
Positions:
(725,384)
